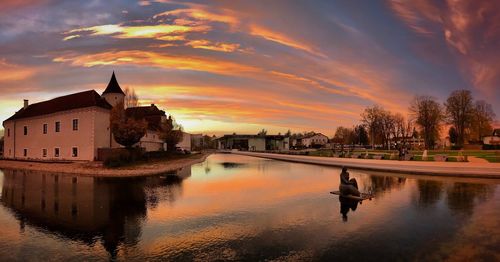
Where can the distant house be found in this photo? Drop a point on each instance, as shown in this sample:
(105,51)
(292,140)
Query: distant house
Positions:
(73,127)
(316,139)
(494,139)
(254,142)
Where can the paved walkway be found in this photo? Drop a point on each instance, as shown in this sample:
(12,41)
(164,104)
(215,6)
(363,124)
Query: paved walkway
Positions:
(457,169)
(474,159)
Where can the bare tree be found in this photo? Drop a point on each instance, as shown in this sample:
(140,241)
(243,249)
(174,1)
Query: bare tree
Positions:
(428,116)
(344,135)
(403,128)
(131,98)
(460,112)
(371,117)
(482,120)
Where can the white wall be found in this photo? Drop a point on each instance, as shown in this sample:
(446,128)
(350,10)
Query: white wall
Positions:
(185,142)
(91,132)
(151,141)
(256,144)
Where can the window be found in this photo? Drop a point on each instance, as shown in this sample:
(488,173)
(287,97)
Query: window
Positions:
(45,128)
(25,152)
(25,130)
(75,124)
(8,132)
(74,152)
(44,152)
(56,152)
(58,126)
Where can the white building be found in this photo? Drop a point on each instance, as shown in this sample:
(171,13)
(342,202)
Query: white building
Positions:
(311,140)
(494,139)
(70,127)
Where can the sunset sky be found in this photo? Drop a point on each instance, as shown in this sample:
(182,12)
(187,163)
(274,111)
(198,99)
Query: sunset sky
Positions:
(240,66)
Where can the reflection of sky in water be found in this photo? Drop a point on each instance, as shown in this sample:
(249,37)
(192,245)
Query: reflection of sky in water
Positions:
(235,207)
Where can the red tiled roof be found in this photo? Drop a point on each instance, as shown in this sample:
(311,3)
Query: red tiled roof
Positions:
(62,103)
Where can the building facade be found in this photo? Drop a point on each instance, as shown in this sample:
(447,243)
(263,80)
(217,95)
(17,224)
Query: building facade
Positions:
(254,142)
(72,127)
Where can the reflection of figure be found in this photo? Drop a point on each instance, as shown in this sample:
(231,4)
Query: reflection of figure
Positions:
(345,205)
(348,186)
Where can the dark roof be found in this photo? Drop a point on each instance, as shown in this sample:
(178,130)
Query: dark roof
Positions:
(151,114)
(315,134)
(113,86)
(62,103)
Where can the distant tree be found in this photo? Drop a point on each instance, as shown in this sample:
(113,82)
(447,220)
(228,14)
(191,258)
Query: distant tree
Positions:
(131,98)
(288,133)
(262,132)
(126,130)
(171,133)
(452,133)
(372,118)
(380,124)
(344,136)
(482,120)
(428,116)
(361,135)
(402,128)
(460,113)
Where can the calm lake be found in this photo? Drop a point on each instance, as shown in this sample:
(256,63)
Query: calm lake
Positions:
(234,207)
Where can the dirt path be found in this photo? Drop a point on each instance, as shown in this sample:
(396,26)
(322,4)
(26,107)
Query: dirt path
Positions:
(98,170)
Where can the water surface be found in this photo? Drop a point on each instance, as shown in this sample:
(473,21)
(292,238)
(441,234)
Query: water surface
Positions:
(234,207)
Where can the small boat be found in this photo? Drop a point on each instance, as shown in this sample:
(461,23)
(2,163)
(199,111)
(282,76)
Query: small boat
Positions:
(363,196)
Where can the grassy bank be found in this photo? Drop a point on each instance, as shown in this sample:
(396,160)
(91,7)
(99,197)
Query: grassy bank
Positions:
(489,155)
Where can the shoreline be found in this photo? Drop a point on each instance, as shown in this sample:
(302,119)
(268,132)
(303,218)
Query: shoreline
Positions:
(96,169)
(449,169)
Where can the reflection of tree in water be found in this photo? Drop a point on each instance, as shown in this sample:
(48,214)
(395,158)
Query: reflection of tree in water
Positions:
(86,209)
(461,196)
(162,188)
(380,184)
(429,192)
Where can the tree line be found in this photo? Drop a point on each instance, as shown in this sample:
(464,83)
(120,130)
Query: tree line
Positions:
(470,120)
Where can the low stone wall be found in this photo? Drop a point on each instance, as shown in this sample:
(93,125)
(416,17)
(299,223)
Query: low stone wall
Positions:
(104,154)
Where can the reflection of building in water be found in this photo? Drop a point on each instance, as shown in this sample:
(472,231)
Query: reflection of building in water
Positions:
(85,208)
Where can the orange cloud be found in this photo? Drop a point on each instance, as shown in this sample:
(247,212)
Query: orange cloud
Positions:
(160,32)
(282,39)
(199,14)
(145,58)
(205,44)
(10,72)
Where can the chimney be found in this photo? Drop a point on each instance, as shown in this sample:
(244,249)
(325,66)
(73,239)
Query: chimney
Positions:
(25,103)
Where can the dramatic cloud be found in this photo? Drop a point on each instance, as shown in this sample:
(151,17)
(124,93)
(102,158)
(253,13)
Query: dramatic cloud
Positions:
(240,66)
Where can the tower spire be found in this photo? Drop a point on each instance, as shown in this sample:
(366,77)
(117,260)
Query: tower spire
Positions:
(113,86)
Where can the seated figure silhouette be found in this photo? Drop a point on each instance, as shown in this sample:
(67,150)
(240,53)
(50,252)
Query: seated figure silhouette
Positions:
(348,186)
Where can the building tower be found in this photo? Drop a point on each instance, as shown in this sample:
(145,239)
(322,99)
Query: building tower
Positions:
(113,93)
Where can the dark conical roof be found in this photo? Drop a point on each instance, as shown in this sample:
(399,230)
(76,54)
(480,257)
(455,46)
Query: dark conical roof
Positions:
(113,86)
